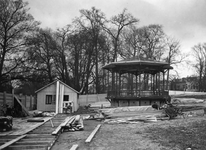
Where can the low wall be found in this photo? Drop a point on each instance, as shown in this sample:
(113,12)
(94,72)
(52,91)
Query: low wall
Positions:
(91,98)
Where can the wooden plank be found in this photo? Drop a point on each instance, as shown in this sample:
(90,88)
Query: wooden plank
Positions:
(11,142)
(68,119)
(30,129)
(93,133)
(51,123)
(74,147)
(22,106)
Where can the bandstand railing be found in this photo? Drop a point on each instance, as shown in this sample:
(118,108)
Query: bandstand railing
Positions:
(134,93)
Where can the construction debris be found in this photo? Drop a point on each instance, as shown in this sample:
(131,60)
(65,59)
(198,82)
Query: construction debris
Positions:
(97,116)
(132,120)
(68,120)
(171,111)
(75,125)
(132,111)
(6,123)
(43,114)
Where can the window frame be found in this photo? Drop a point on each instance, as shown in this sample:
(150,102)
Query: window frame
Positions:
(50,99)
(64,98)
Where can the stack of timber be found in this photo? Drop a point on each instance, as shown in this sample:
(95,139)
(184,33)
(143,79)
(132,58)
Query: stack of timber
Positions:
(132,114)
(130,111)
(39,138)
(75,124)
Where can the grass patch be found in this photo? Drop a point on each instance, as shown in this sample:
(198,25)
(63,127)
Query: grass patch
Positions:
(191,135)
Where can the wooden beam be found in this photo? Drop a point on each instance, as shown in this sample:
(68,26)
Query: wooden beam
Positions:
(57,97)
(67,120)
(11,142)
(51,123)
(22,106)
(74,147)
(93,134)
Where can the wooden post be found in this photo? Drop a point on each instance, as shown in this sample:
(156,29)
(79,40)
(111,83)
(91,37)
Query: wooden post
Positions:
(57,97)
(139,84)
(132,86)
(119,83)
(159,82)
(156,85)
(108,81)
(163,88)
(30,102)
(153,84)
(113,80)
(61,97)
(116,87)
(136,83)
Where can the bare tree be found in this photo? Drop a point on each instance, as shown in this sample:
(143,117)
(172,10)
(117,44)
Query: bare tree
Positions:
(172,53)
(118,23)
(199,53)
(41,48)
(151,41)
(15,24)
(62,52)
(132,47)
(92,21)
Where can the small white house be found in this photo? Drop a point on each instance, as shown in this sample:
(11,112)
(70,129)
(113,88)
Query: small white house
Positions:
(56,96)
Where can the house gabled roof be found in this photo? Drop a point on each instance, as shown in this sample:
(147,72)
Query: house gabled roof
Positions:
(53,83)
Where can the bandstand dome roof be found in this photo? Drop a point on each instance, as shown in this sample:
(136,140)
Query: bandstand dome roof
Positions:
(137,66)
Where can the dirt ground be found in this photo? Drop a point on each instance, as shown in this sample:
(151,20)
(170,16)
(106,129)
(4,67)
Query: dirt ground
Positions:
(67,139)
(137,136)
(176,134)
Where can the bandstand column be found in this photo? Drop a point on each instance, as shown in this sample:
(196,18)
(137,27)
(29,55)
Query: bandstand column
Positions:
(113,80)
(153,84)
(139,84)
(119,83)
(163,88)
(116,86)
(136,83)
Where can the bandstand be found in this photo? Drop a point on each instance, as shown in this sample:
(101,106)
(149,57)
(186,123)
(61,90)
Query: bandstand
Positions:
(137,83)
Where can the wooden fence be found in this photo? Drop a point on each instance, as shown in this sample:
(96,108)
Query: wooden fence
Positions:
(29,102)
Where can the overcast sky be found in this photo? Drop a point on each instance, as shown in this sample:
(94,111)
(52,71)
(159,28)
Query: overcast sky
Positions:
(185,20)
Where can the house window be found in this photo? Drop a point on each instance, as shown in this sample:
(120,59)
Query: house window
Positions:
(50,99)
(66,98)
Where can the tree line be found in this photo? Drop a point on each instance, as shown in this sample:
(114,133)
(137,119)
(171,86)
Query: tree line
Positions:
(31,56)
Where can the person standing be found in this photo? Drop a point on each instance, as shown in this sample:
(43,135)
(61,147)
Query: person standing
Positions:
(69,107)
